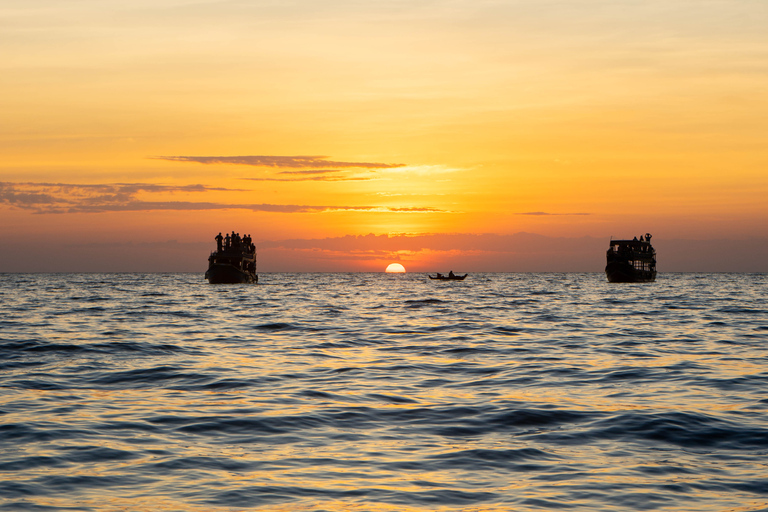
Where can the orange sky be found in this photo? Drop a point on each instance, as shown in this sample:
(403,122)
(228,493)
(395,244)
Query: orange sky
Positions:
(146,122)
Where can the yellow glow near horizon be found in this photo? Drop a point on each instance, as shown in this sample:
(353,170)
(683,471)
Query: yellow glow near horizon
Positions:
(395,268)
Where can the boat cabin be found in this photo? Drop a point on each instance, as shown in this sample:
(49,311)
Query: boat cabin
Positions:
(637,252)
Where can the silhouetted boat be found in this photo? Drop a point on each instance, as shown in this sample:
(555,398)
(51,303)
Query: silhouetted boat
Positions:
(233,261)
(631,261)
(441,277)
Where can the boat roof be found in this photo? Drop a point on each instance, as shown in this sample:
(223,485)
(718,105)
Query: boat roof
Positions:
(621,242)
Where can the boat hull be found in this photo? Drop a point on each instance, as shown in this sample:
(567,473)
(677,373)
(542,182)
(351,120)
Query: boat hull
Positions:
(618,272)
(446,278)
(228,274)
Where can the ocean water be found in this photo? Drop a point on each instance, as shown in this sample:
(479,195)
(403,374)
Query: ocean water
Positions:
(381,392)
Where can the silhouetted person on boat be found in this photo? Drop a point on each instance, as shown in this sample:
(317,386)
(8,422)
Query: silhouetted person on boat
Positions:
(227,241)
(219,239)
(450,274)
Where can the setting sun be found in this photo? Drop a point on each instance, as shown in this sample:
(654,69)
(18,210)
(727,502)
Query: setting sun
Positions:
(395,268)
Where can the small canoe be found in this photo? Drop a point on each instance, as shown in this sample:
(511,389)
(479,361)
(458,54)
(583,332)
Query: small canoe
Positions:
(441,277)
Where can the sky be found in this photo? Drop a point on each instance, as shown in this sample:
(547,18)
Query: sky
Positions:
(344,135)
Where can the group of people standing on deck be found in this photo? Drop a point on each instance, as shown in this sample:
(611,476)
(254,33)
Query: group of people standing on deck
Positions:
(647,238)
(236,242)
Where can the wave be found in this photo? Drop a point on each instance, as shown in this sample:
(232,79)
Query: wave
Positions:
(342,392)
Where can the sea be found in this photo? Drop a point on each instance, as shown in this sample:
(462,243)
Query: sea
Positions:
(383,392)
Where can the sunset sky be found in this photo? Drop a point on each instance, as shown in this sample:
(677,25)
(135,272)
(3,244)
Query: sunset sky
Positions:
(488,135)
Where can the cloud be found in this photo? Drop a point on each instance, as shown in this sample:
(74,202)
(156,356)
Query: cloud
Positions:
(314,175)
(318,168)
(312,172)
(69,197)
(518,252)
(426,241)
(425,170)
(385,209)
(547,213)
(462,252)
(263,207)
(291,162)
(435,251)
(121,197)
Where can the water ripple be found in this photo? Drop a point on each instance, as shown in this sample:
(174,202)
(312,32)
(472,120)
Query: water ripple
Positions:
(383,392)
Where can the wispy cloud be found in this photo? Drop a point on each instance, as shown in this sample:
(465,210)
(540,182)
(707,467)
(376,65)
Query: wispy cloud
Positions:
(425,170)
(291,162)
(437,243)
(319,168)
(313,175)
(262,207)
(61,197)
(547,213)
(122,197)
(518,252)
(311,172)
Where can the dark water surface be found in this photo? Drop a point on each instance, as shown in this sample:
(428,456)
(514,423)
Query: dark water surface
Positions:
(357,392)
